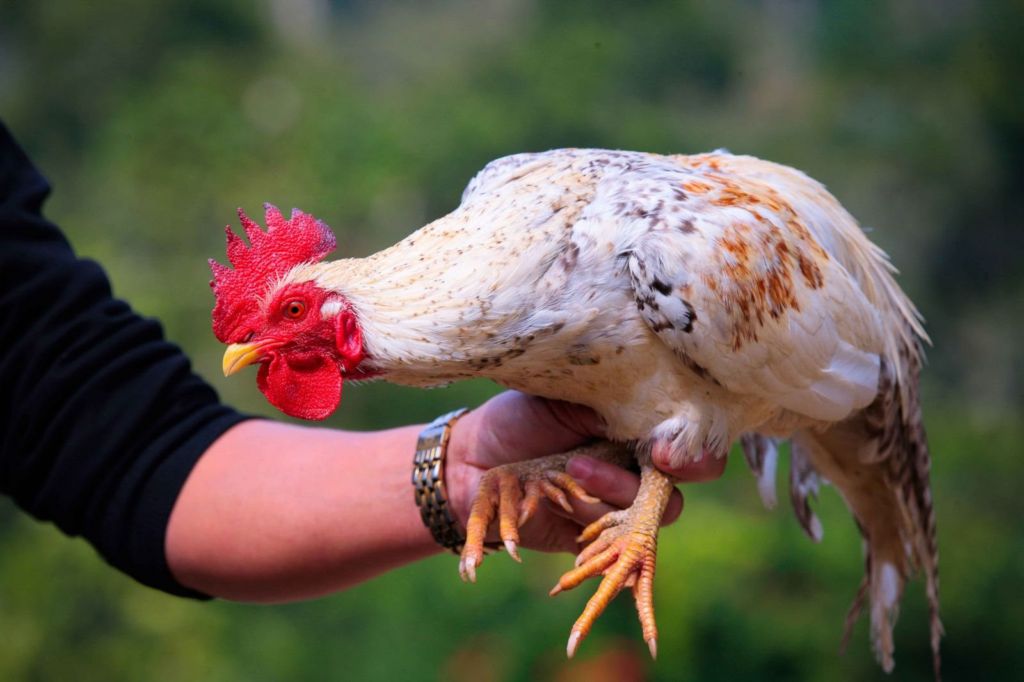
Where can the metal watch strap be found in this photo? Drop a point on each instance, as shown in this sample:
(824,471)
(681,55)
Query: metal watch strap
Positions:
(428,481)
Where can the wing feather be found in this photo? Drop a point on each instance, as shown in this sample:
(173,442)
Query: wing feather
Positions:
(748,293)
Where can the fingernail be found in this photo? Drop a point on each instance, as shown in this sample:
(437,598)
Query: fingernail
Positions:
(580,466)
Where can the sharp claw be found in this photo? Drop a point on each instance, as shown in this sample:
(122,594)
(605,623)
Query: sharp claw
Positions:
(574,642)
(563,501)
(471,569)
(652,644)
(462,569)
(511,547)
(555,590)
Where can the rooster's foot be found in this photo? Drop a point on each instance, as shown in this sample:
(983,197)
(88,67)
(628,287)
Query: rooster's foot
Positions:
(623,549)
(514,492)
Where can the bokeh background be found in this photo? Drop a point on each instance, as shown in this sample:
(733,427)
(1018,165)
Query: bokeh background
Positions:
(155,120)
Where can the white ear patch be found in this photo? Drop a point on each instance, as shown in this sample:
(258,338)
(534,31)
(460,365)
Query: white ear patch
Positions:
(330,309)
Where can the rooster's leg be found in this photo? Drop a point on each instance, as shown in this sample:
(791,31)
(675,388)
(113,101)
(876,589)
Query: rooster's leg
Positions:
(513,492)
(623,550)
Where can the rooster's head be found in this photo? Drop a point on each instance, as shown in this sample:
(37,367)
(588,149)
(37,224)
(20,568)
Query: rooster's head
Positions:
(270,311)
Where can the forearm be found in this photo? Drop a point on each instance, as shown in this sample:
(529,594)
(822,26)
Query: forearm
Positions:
(274,512)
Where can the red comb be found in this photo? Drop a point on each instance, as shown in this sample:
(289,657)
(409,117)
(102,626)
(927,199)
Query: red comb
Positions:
(285,244)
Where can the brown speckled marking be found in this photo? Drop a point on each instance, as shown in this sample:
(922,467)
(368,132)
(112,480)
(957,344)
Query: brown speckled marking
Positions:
(582,355)
(757,293)
(691,317)
(696,368)
(697,187)
(810,271)
(569,257)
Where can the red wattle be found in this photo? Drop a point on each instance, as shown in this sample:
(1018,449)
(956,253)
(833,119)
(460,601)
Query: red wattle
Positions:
(307,389)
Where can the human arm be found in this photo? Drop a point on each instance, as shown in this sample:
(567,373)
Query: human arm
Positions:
(275,512)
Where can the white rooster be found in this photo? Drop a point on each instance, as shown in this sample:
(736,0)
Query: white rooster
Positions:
(690,300)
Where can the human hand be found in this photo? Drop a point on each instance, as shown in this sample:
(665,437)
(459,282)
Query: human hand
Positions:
(512,427)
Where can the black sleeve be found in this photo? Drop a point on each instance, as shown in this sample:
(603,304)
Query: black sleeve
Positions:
(101,418)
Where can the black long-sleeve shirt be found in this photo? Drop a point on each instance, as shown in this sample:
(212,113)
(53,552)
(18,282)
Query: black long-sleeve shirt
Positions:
(101,419)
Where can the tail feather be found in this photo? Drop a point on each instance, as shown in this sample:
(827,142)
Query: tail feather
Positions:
(917,494)
(804,485)
(853,613)
(883,585)
(878,459)
(762,455)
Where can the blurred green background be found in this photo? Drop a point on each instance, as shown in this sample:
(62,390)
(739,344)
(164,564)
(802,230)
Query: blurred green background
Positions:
(155,120)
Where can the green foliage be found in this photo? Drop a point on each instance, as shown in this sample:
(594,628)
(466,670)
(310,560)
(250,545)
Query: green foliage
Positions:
(155,120)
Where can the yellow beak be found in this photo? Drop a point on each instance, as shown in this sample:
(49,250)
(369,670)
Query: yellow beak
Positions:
(239,355)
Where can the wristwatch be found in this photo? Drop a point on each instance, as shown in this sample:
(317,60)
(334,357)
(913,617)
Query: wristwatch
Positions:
(428,481)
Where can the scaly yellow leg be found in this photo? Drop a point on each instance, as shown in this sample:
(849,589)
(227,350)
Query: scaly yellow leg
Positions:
(624,551)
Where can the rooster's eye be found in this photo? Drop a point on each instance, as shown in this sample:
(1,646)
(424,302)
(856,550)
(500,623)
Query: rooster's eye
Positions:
(295,309)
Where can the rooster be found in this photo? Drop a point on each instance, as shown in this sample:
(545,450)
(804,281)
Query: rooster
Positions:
(692,301)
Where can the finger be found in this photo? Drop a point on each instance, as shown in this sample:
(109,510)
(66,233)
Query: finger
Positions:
(612,484)
(673,509)
(707,468)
